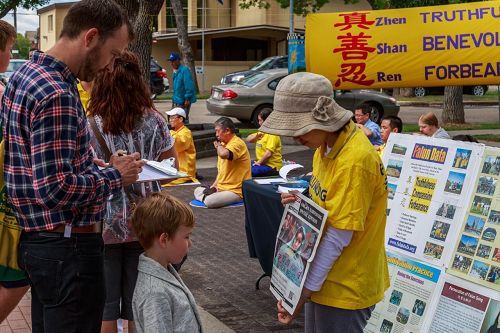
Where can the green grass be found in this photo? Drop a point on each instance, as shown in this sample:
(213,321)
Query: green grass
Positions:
(409,128)
(168,96)
(244,132)
(490,96)
(488,137)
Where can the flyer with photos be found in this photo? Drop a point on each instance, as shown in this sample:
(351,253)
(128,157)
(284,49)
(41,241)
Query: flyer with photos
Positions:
(405,307)
(430,182)
(299,233)
(476,256)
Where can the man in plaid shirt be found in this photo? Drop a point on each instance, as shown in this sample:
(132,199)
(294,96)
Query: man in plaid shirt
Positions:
(58,192)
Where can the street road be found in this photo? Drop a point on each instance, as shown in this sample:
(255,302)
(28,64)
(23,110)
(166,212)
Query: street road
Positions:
(409,114)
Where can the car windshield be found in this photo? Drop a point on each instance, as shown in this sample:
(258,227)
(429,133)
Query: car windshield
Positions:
(253,80)
(14,66)
(264,64)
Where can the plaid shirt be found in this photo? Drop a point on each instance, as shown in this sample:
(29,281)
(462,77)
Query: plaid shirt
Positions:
(49,171)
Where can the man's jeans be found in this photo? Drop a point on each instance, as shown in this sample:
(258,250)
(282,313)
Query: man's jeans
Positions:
(67,281)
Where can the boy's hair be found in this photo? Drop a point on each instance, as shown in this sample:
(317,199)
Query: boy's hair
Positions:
(160,213)
(394,122)
(7,32)
(104,15)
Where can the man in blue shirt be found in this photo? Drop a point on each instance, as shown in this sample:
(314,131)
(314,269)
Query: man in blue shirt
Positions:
(183,85)
(364,123)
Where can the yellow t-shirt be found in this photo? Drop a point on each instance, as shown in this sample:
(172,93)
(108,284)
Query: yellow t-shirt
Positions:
(272,143)
(232,173)
(380,150)
(186,155)
(351,184)
(84,97)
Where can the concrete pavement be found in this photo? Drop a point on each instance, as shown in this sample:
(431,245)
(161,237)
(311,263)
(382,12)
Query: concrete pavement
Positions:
(219,271)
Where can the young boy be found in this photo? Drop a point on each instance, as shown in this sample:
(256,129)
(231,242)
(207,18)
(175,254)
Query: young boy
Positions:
(161,301)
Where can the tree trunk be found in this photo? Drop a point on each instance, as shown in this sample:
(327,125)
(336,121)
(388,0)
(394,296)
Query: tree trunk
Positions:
(141,14)
(143,28)
(131,7)
(183,41)
(405,92)
(453,106)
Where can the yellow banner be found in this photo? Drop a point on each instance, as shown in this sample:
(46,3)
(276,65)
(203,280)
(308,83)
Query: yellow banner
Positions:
(423,46)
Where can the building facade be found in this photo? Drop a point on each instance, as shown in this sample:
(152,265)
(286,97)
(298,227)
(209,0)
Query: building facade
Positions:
(224,37)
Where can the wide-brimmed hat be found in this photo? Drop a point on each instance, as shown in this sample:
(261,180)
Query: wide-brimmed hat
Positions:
(303,102)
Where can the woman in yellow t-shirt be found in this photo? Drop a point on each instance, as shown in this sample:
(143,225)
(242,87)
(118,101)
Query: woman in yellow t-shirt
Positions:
(348,274)
(268,159)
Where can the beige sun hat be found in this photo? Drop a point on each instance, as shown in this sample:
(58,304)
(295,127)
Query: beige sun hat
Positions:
(303,102)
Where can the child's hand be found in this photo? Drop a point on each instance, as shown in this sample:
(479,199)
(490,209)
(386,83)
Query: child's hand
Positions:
(283,316)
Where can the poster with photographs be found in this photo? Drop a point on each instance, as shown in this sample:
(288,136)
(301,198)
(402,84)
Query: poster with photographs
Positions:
(476,255)
(464,307)
(301,225)
(405,307)
(430,183)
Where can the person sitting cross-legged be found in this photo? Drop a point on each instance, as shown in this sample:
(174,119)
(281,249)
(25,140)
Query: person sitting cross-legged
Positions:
(184,146)
(233,167)
(268,159)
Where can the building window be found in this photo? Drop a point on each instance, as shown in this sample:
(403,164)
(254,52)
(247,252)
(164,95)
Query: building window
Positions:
(242,49)
(51,22)
(171,24)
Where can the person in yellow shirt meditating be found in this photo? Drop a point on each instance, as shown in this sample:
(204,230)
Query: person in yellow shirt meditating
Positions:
(184,146)
(268,159)
(233,167)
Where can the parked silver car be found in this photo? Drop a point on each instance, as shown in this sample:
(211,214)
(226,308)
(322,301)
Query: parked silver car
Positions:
(245,99)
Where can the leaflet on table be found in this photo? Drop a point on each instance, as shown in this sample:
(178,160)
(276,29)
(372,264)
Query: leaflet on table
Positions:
(287,173)
(430,183)
(476,255)
(464,307)
(405,307)
(301,225)
(154,171)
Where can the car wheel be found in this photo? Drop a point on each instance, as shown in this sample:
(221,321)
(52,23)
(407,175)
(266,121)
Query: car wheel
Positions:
(255,120)
(376,112)
(478,90)
(420,92)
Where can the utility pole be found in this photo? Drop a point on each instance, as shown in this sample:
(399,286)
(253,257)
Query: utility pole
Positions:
(291,17)
(15,48)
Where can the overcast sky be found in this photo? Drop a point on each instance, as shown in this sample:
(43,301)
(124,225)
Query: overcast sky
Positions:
(27,19)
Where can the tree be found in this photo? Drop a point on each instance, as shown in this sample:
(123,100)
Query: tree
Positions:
(7,5)
(182,39)
(23,45)
(142,14)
